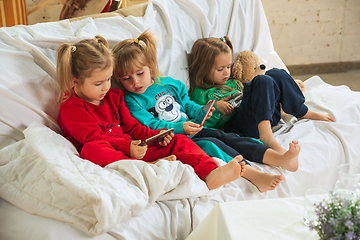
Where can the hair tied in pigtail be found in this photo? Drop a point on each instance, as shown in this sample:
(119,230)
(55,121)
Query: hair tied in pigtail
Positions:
(223,39)
(73,49)
(136,40)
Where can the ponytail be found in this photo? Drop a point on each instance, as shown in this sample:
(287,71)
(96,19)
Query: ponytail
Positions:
(63,69)
(102,41)
(228,42)
(150,52)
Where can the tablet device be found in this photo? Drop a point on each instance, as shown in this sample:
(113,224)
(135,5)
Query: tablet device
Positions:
(157,138)
(206,108)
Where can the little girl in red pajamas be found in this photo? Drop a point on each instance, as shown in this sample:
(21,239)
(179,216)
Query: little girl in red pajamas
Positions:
(95,119)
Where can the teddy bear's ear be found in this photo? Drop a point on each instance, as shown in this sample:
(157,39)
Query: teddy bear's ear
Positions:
(250,61)
(249,69)
(236,70)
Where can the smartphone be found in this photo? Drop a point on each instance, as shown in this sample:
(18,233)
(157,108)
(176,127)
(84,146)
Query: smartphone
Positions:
(235,99)
(206,108)
(157,138)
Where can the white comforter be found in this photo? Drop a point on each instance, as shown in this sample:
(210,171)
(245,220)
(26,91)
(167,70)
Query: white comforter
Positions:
(41,173)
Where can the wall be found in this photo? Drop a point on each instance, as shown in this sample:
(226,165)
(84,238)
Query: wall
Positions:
(315,31)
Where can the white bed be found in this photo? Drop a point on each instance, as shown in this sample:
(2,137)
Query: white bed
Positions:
(48,192)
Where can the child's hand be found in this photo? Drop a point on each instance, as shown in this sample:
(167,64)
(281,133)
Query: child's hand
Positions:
(224,107)
(137,151)
(329,118)
(167,139)
(191,128)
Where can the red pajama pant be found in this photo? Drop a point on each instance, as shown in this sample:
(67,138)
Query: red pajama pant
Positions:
(102,153)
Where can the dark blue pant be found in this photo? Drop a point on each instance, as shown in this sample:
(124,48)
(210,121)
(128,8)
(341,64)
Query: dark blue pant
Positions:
(233,144)
(261,101)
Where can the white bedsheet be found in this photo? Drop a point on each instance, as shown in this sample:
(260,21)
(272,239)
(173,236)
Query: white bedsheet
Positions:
(41,174)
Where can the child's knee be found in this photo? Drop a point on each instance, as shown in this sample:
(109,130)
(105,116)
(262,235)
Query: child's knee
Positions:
(276,71)
(263,80)
(278,74)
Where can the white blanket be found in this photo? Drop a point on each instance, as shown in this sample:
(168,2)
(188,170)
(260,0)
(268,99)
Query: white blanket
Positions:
(43,175)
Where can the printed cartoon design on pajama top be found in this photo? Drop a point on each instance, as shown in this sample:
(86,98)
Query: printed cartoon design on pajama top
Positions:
(164,104)
(168,109)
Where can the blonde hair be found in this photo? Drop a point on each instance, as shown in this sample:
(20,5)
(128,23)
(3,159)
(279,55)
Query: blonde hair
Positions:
(202,59)
(79,61)
(140,52)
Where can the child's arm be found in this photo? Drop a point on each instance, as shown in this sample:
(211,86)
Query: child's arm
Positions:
(191,108)
(77,124)
(80,126)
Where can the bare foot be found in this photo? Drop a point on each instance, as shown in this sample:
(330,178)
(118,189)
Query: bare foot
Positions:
(269,182)
(169,158)
(290,160)
(262,180)
(226,173)
(318,116)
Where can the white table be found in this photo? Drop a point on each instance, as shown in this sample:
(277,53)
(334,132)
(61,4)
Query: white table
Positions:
(279,218)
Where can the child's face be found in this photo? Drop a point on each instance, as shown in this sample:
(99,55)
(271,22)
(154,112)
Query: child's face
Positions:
(137,80)
(220,72)
(94,88)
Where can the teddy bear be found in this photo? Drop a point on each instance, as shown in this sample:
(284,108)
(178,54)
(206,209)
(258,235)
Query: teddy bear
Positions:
(247,66)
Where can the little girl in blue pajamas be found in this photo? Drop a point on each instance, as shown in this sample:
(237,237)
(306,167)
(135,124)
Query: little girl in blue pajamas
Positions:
(163,102)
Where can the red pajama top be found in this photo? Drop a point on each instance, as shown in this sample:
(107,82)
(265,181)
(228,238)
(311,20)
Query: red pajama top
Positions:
(83,122)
